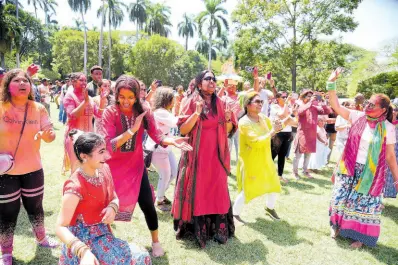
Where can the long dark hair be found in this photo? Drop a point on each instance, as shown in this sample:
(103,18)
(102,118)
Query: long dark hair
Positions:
(5,94)
(198,80)
(132,84)
(386,104)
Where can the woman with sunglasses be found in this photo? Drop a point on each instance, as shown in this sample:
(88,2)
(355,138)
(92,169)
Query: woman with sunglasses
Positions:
(390,191)
(256,172)
(305,140)
(201,201)
(281,142)
(123,126)
(355,208)
(24,183)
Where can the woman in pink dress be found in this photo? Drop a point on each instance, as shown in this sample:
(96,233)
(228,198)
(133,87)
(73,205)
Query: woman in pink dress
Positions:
(201,202)
(80,109)
(123,126)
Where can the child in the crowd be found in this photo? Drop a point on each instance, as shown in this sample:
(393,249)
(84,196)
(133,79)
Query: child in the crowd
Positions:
(89,206)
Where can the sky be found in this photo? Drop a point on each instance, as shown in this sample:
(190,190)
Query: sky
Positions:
(378,19)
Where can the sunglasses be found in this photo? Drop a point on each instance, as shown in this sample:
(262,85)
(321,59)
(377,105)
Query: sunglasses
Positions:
(208,78)
(369,105)
(284,97)
(258,101)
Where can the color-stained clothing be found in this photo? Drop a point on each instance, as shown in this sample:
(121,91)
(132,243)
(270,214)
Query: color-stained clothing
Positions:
(95,194)
(28,157)
(256,171)
(84,123)
(201,195)
(127,161)
(305,139)
(390,190)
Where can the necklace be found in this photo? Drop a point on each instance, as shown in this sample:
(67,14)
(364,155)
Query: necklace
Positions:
(94,180)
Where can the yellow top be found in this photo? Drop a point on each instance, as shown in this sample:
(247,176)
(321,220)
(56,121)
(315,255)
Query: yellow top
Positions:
(256,171)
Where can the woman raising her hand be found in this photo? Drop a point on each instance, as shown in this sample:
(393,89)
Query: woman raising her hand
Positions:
(355,208)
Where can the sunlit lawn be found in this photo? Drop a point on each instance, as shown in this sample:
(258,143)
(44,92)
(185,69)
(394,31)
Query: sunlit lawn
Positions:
(302,237)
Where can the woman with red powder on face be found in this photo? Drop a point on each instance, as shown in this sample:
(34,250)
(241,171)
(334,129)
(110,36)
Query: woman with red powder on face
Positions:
(26,179)
(80,109)
(355,208)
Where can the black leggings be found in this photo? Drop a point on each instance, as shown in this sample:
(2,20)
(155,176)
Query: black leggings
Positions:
(145,201)
(280,146)
(29,187)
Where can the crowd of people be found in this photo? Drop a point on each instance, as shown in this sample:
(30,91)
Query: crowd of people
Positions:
(114,131)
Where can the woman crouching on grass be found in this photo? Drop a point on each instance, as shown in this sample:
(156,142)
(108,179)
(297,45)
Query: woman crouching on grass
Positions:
(89,206)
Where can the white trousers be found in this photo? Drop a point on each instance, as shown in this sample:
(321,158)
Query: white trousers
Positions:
(270,200)
(166,166)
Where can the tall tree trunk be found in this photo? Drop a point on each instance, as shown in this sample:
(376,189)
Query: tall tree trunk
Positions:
(110,47)
(136,32)
(101,34)
(210,39)
(3,60)
(17,46)
(85,45)
(294,50)
(186,43)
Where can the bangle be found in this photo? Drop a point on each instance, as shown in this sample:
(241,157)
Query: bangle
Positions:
(395,183)
(130,132)
(114,206)
(197,113)
(331,86)
(72,242)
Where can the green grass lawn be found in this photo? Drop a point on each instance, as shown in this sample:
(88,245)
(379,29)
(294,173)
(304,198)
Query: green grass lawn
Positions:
(302,237)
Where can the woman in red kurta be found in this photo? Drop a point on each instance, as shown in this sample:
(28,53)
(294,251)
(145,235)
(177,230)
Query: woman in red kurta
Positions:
(305,141)
(123,126)
(201,202)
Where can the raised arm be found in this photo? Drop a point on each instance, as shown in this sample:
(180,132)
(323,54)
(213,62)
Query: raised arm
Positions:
(334,102)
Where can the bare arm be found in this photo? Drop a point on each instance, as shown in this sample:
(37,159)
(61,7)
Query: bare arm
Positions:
(187,126)
(392,162)
(333,100)
(68,207)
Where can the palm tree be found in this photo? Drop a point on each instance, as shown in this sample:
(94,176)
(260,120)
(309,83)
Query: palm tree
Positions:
(50,20)
(48,6)
(158,20)
(82,6)
(79,25)
(113,9)
(101,40)
(202,46)
(212,18)
(36,3)
(186,28)
(138,13)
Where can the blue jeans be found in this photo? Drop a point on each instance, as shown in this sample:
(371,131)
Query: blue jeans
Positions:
(62,114)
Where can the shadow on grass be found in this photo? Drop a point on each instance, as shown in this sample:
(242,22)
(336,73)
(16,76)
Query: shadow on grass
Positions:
(391,212)
(279,232)
(322,183)
(299,185)
(43,256)
(233,252)
(384,254)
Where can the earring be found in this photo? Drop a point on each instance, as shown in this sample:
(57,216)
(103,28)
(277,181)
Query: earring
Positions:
(84,160)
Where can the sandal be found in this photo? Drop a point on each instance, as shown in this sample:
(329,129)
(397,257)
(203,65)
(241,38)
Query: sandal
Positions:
(48,242)
(285,180)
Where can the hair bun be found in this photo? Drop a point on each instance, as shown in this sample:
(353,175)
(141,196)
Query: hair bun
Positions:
(74,134)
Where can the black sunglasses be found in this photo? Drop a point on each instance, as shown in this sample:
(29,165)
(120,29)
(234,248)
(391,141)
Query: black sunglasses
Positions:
(208,78)
(258,101)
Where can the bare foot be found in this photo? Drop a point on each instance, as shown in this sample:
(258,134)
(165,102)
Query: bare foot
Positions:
(356,244)
(334,232)
(283,179)
(308,175)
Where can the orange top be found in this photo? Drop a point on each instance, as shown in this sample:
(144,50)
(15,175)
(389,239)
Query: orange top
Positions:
(11,118)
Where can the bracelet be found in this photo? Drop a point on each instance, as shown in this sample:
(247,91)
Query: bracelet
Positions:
(331,86)
(82,251)
(395,183)
(130,132)
(114,206)
(197,113)
(72,242)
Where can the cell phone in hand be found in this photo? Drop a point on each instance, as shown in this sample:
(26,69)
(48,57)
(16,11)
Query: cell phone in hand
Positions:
(249,69)
(318,97)
(269,75)
(159,83)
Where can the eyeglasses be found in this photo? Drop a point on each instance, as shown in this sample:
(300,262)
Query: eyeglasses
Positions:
(284,97)
(208,78)
(258,101)
(369,105)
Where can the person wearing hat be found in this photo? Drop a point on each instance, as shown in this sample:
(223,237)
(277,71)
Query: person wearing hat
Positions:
(305,140)
(256,171)
(96,76)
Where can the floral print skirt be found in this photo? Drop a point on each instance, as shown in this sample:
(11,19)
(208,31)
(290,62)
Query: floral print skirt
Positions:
(356,215)
(108,249)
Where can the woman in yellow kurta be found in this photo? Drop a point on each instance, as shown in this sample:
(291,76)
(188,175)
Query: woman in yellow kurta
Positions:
(256,171)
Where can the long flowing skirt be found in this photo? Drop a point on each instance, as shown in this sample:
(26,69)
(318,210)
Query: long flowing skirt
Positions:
(356,215)
(108,249)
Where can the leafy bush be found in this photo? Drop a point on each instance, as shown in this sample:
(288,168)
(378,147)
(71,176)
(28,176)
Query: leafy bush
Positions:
(386,83)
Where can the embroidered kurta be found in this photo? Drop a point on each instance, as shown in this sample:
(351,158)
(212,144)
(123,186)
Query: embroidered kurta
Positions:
(127,161)
(84,123)
(256,171)
(305,139)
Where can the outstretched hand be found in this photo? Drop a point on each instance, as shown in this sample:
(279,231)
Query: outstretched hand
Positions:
(181,143)
(335,74)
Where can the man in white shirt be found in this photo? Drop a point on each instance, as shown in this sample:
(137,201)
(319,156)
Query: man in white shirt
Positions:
(259,86)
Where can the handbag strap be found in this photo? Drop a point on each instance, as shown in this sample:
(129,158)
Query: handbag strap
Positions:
(23,127)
